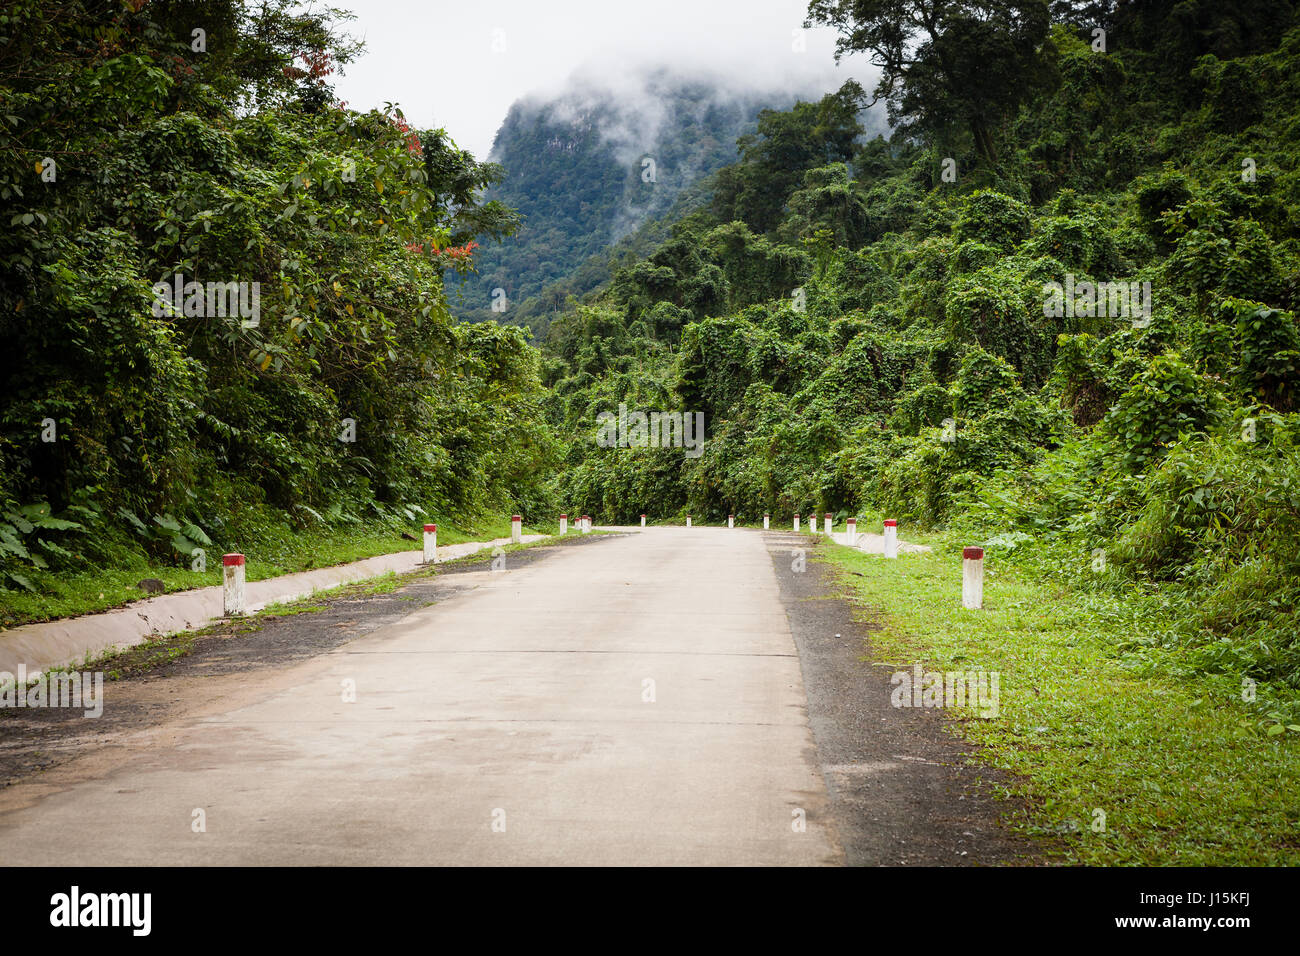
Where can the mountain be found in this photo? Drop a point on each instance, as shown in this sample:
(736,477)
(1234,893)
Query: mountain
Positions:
(590,165)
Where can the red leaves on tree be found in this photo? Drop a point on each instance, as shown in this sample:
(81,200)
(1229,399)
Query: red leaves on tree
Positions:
(451,256)
(413,144)
(179,67)
(319,64)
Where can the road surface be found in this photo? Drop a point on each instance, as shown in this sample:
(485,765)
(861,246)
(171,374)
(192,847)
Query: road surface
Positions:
(636,702)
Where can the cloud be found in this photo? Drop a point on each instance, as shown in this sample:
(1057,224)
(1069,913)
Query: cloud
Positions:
(462,66)
(638,86)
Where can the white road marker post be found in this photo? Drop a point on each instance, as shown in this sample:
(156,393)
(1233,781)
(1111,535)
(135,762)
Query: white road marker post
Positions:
(972,578)
(812,522)
(796,521)
(564,524)
(232,568)
(891,538)
(766,516)
(430,544)
(643,521)
(688,521)
(830,524)
(731,521)
(852,531)
(586,524)
(516,529)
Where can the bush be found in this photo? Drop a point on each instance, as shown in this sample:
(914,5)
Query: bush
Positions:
(992,218)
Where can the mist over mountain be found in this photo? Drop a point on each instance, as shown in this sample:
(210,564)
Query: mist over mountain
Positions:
(589,164)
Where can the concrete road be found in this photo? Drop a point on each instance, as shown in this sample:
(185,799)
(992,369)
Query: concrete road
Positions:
(638,702)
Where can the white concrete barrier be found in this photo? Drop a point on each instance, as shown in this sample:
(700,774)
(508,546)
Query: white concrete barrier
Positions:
(643,521)
(586,524)
(232,582)
(688,521)
(891,538)
(852,531)
(564,524)
(972,578)
(766,516)
(796,521)
(830,524)
(430,544)
(731,521)
(516,529)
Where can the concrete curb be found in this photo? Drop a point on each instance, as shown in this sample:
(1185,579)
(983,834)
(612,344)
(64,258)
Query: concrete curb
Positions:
(69,641)
(875,543)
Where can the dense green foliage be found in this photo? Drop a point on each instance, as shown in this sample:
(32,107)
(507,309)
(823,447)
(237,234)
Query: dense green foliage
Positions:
(223,158)
(866,335)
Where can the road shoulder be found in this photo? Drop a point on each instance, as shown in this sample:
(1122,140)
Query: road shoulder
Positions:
(903,791)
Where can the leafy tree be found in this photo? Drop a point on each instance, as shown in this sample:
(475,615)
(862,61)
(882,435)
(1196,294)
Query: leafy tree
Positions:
(945,63)
(774,159)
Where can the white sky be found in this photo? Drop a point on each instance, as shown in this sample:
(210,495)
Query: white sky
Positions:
(436,60)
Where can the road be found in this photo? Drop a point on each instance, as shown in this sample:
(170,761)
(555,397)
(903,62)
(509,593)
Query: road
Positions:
(637,702)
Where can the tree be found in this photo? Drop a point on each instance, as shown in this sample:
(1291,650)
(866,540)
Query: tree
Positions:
(785,144)
(945,63)
(457,179)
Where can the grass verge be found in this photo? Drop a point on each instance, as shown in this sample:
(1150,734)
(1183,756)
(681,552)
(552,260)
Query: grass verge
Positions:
(1183,769)
(275,552)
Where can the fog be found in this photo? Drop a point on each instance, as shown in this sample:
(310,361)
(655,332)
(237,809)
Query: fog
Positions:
(636,86)
(461,66)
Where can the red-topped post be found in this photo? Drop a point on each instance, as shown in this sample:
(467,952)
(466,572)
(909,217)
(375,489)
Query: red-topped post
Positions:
(232,572)
(972,578)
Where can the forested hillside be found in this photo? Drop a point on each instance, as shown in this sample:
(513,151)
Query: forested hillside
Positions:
(151,146)
(905,328)
(586,168)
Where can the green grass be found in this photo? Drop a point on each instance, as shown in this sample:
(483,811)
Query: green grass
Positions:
(276,549)
(1185,771)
